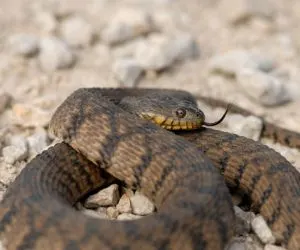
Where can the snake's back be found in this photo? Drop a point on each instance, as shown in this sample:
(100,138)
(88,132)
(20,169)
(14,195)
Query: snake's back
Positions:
(187,189)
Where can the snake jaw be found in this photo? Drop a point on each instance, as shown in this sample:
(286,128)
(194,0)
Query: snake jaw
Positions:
(171,123)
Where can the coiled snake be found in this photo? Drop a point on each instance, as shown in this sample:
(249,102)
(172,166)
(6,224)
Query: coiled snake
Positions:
(179,173)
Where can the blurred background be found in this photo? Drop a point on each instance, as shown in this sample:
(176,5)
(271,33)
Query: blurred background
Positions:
(242,51)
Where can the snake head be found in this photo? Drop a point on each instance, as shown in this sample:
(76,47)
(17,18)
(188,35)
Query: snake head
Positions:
(169,112)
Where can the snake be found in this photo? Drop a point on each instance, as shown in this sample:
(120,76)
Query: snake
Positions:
(118,134)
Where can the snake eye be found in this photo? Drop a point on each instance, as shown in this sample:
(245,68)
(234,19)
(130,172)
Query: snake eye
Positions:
(180,113)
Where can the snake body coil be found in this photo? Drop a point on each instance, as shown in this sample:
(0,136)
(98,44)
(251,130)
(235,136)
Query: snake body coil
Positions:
(194,206)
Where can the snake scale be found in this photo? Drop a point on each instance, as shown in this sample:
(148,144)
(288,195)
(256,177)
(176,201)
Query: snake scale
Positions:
(179,172)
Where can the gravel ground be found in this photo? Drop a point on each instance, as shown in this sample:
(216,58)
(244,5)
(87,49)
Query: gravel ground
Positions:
(241,51)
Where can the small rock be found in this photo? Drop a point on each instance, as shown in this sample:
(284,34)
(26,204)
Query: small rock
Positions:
(112,212)
(127,71)
(17,151)
(127,216)
(55,54)
(262,230)
(249,127)
(244,220)
(141,205)
(156,53)
(105,197)
(5,101)
(243,243)
(263,88)
(127,24)
(77,32)
(2,246)
(24,44)
(124,205)
(46,21)
(28,115)
(185,47)
(232,62)
(273,247)
(240,10)
(94,214)
(38,141)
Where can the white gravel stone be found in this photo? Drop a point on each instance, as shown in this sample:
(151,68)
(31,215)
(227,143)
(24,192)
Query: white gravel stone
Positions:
(243,243)
(105,197)
(127,216)
(55,54)
(234,61)
(243,220)
(141,205)
(112,212)
(185,47)
(156,53)
(28,115)
(127,71)
(76,31)
(250,126)
(262,230)
(46,21)
(160,52)
(24,44)
(127,23)
(94,214)
(124,205)
(273,247)
(38,141)
(16,151)
(2,246)
(240,10)
(263,88)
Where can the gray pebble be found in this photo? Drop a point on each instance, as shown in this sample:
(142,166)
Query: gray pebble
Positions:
(262,230)
(55,54)
(46,21)
(243,220)
(16,151)
(112,212)
(24,44)
(127,23)
(38,141)
(127,71)
(234,61)
(264,88)
(124,205)
(105,197)
(76,31)
(141,205)
(94,214)
(128,216)
(185,47)
(273,247)
(249,127)
(156,53)
(243,243)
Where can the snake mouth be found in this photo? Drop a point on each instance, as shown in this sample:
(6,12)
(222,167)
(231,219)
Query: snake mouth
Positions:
(171,123)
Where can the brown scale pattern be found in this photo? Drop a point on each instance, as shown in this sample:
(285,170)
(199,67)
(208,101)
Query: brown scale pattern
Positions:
(194,206)
(191,196)
(270,181)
